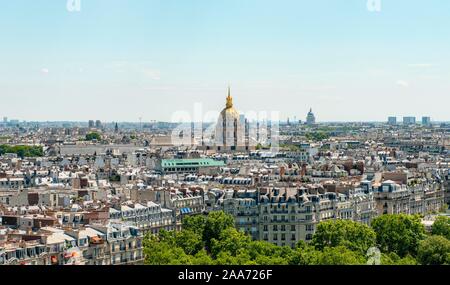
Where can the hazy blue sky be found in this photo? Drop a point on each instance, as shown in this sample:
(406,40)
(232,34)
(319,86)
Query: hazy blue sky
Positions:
(121,60)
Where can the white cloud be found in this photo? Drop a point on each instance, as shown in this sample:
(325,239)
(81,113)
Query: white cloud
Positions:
(45,71)
(402,83)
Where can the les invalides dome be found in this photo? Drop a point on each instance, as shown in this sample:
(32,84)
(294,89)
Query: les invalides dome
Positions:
(229,129)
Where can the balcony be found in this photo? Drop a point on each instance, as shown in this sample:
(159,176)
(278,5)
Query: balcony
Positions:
(279,221)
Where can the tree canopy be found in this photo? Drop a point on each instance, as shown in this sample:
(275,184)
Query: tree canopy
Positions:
(214,240)
(352,235)
(93,136)
(22,150)
(434,250)
(441,226)
(400,234)
(317,136)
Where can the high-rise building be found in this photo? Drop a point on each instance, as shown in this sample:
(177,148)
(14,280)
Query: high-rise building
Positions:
(409,120)
(310,118)
(116,128)
(91,124)
(392,120)
(5,119)
(426,121)
(98,124)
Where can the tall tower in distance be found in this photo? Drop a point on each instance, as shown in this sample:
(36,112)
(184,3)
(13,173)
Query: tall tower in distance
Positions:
(392,121)
(310,118)
(426,121)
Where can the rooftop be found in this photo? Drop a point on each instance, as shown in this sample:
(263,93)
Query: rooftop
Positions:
(202,162)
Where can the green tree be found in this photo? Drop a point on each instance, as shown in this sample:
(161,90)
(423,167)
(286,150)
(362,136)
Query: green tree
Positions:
(394,259)
(23,150)
(340,255)
(355,236)
(214,240)
(317,136)
(202,258)
(93,136)
(240,258)
(400,234)
(434,250)
(157,252)
(191,242)
(265,253)
(215,223)
(231,241)
(195,223)
(304,254)
(441,226)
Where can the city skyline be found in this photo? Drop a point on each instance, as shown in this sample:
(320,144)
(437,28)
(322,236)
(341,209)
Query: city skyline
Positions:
(118,62)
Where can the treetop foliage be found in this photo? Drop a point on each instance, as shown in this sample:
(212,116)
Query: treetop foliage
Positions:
(22,150)
(93,136)
(214,240)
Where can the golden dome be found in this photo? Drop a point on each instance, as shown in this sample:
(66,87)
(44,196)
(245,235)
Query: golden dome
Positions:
(229,112)
(229,99)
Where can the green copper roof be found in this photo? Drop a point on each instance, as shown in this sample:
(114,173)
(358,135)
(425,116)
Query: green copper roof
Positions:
(203,162)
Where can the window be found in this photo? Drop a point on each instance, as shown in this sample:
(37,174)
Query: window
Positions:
(293,228)
(275,228)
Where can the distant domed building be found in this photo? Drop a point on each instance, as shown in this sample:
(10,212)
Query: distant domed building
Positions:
(310,118)
(230,132)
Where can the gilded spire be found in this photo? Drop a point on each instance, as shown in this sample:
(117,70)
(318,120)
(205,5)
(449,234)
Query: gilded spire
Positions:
(229,99)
